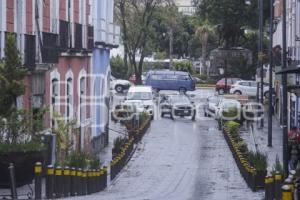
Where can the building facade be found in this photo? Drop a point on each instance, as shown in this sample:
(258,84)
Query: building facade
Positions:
(293,48)
(58,41)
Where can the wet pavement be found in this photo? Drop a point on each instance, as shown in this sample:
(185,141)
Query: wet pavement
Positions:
(180,160)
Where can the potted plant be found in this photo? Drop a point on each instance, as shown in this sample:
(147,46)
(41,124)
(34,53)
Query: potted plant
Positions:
(259,162)
(20,143)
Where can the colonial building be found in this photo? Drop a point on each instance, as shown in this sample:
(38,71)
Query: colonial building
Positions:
(293,47)
(59,41)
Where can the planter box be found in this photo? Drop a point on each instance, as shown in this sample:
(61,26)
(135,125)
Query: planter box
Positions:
(24,166)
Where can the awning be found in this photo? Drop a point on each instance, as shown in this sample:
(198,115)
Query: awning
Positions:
(290,70)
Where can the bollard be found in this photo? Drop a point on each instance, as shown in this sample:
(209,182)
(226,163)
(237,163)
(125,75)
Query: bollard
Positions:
(38,180)
(98,180)
(277,187)
(49,182)
(66,182)
(104,177)
(267,188)
(289,183)
(89,182)
(12,178)
(58,189)
(84,182)
(93,181)
(73,191)
(79,181)
(271,188)
(286,192)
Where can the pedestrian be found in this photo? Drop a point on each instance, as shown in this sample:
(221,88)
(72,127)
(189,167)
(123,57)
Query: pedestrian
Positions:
(292,140)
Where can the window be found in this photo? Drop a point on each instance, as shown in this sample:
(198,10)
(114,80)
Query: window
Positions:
(82,93)
(69,98)
(78,36)
(157,77)
(29,51)
(64,34)
(183,77)
(55,93)
(171,77)
(244,83)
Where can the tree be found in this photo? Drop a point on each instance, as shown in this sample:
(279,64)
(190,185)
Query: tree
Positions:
(12,75)
(136,19)
(185,66)
(118,68)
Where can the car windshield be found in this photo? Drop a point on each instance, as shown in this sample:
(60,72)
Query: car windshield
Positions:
(213,99)
(231,104)
(139,96)
(180,99)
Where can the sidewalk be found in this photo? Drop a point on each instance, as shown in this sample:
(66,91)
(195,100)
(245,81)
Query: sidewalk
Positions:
(258,140)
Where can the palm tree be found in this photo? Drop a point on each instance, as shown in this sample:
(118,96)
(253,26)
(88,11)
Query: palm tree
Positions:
(203,32)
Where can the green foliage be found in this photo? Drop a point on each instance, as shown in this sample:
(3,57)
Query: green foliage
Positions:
(78,159)
(277,167)
(119,143)
(12,75)
(34,145)
(83,160)
(185,66)
(258,160)
(21,126)
(233,127)
(242,146)
(63,130)
(118,68)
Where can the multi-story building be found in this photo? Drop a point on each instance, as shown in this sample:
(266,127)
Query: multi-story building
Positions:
(185,6)
(293,47)
(59,42)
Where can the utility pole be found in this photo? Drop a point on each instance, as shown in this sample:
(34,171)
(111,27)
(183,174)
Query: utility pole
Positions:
(270,122)
(261,35)
(284,92)
(171,48)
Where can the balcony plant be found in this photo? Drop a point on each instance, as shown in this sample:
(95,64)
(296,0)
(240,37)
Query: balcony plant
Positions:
(20,143)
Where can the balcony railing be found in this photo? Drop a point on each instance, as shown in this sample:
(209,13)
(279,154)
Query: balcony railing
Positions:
(29,52)
(100,32)
(50,50)
(294,53)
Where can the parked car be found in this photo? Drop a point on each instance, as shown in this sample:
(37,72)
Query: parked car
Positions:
(127,110)
(248,88)
(142,94)
(211,105)
(228,110)
(119,85)
(132,79)
(170,80)
(177,105)
(221,87)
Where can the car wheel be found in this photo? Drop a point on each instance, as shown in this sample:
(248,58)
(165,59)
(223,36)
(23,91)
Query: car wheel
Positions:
(221,91)
(205,114)
(119,88)
(182,90)
(237,92)
(162,114)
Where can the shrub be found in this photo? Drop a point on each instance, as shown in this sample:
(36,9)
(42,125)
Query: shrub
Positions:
(119,144)
(78,159)
(118,68)
(277,167)
(258,160)
(185,66)
(232,127)
(242,146)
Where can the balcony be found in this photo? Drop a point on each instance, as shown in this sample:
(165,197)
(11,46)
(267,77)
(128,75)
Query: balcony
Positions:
(294,54)
(50,49)
(29,52)
(100,32)
(64,35)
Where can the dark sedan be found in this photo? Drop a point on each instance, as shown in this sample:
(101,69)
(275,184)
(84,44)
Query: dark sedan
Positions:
(178,105)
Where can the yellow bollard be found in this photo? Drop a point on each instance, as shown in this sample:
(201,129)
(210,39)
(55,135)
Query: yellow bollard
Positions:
(286,193)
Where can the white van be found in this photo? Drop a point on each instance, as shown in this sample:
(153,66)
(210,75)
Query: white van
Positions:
(143,95)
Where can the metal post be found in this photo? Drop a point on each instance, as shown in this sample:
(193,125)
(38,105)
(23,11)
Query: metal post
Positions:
(12,177)
(225,76)
(284,92)
(49,182)
(270,122)
(261,35)
(38,181)
(171,48)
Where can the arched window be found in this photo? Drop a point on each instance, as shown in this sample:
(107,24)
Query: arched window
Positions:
(81,101)
(54,97)
(69,94)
